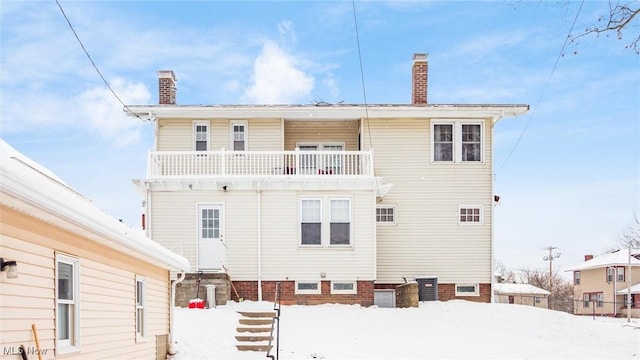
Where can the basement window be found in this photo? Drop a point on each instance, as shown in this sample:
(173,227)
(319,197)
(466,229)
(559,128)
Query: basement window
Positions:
(344,287)
(308,287)
(467,290)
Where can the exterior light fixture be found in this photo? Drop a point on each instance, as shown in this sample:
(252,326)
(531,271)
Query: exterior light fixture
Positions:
(11,267)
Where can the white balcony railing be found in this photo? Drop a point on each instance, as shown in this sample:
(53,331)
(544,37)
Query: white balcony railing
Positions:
(180,164)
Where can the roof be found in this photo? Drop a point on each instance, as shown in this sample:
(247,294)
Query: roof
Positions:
(323,111)
(614,258)
(635,289)
(515,289)
(28,187)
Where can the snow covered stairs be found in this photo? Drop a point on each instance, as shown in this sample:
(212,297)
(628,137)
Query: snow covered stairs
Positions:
(254,332)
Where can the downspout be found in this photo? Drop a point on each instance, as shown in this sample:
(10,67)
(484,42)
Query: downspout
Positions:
(259,244)
(172,350)
(493,214)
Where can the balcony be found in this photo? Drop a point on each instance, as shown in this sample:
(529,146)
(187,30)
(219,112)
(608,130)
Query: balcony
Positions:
(259,164)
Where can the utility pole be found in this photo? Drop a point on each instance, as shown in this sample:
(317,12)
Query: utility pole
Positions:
(552,255)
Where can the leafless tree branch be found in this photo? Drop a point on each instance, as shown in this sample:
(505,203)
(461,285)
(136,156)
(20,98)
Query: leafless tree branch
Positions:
(618,20)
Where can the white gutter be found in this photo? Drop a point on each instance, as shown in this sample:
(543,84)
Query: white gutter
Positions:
(259,245)
(172,350)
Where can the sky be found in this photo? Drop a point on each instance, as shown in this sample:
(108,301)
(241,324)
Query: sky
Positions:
(454,329)
(567,173)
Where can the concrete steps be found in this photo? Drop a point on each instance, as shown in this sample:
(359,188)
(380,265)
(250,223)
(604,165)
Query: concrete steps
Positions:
(254,334)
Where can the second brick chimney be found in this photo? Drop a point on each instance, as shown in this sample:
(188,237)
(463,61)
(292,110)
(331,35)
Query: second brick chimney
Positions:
(588,257)
(419,76)
(166,87)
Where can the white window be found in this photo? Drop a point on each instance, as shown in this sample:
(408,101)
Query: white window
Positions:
(467,290)
(344,287)
(386,214)
(585,300)
(141,318)
(315,230)
(67,304)
(610,274)
(576,278)
(321,163)
(308,287)
(457,141)
(470,214)
(311,222)
(600,299)
(536,299)
(620,274)
(201,135)
(340,222)
(239,136)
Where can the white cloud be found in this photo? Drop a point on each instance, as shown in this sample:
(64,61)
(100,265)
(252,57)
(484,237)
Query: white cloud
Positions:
(105,113)
(277,79)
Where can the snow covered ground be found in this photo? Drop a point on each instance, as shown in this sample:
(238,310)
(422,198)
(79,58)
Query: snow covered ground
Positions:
(435,330)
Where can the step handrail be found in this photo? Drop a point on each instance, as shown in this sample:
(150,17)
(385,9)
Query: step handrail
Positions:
(275,325)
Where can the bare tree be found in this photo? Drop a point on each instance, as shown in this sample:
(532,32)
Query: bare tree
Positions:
(504,275)
(622,17)
(631,236)
(561,297)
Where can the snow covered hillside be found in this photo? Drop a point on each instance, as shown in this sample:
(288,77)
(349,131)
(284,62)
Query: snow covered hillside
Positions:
(435,330)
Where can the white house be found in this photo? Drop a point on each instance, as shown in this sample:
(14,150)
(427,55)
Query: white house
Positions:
(337,202)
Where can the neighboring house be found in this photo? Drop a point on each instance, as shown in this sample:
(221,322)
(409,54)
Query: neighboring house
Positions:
(599,283)
(337,202)
(521,294)
(93,287)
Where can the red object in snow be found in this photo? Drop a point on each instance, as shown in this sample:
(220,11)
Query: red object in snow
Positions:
(196,304)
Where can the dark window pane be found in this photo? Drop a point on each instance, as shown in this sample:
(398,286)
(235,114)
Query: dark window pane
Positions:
(311,233)
(340,233)
(443,152)
(65,281)
(307,286)
(201,146)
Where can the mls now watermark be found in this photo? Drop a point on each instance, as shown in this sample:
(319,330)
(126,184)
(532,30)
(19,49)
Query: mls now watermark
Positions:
(19,350)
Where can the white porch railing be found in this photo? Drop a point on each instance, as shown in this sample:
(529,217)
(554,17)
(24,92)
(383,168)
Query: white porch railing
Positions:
(178,164)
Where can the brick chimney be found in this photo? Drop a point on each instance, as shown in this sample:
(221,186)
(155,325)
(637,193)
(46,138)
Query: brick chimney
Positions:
(588,257)
(166,87)
(419,76)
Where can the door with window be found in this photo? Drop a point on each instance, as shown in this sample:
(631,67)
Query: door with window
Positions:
(211,247)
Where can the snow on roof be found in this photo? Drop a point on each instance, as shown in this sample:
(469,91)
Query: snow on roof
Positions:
(635,289)
(29,187)
(507,289)
(614,258)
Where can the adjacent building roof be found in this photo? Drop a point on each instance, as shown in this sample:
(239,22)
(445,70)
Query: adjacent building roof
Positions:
(614,258)
(28,187)
(518,289)
(635,289)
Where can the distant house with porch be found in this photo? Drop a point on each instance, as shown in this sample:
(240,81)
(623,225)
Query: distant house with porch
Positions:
(521,294)
(602,282)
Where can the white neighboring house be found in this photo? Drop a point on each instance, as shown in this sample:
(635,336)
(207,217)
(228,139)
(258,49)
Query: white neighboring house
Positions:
(336,202)
(93,287)
(522,294)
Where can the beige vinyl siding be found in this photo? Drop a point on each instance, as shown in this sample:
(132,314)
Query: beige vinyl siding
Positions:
(175,217)
(284,258)
(321,132)
(428,240)
(107,292)
(177,134)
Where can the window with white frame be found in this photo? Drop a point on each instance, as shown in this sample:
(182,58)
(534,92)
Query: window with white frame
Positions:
(585,300)
(340,222)
(316,230)
(470,214)
(308,287)
(620,274)
(576,278)
(310,221)
(611,273)
(600,299)
(141,293)
(344,287)
(386,214)
(457,141)
(201,135)
(67,304)
(536,299)
(239,135)
(467,290)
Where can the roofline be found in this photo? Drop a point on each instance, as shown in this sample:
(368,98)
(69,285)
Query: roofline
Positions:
(327,112)
(109,231)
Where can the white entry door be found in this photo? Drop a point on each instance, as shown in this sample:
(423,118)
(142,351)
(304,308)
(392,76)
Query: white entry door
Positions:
(211,248)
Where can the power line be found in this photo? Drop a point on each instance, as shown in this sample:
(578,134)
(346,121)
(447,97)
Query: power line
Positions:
(94,64)
(544,89)
(364,90)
